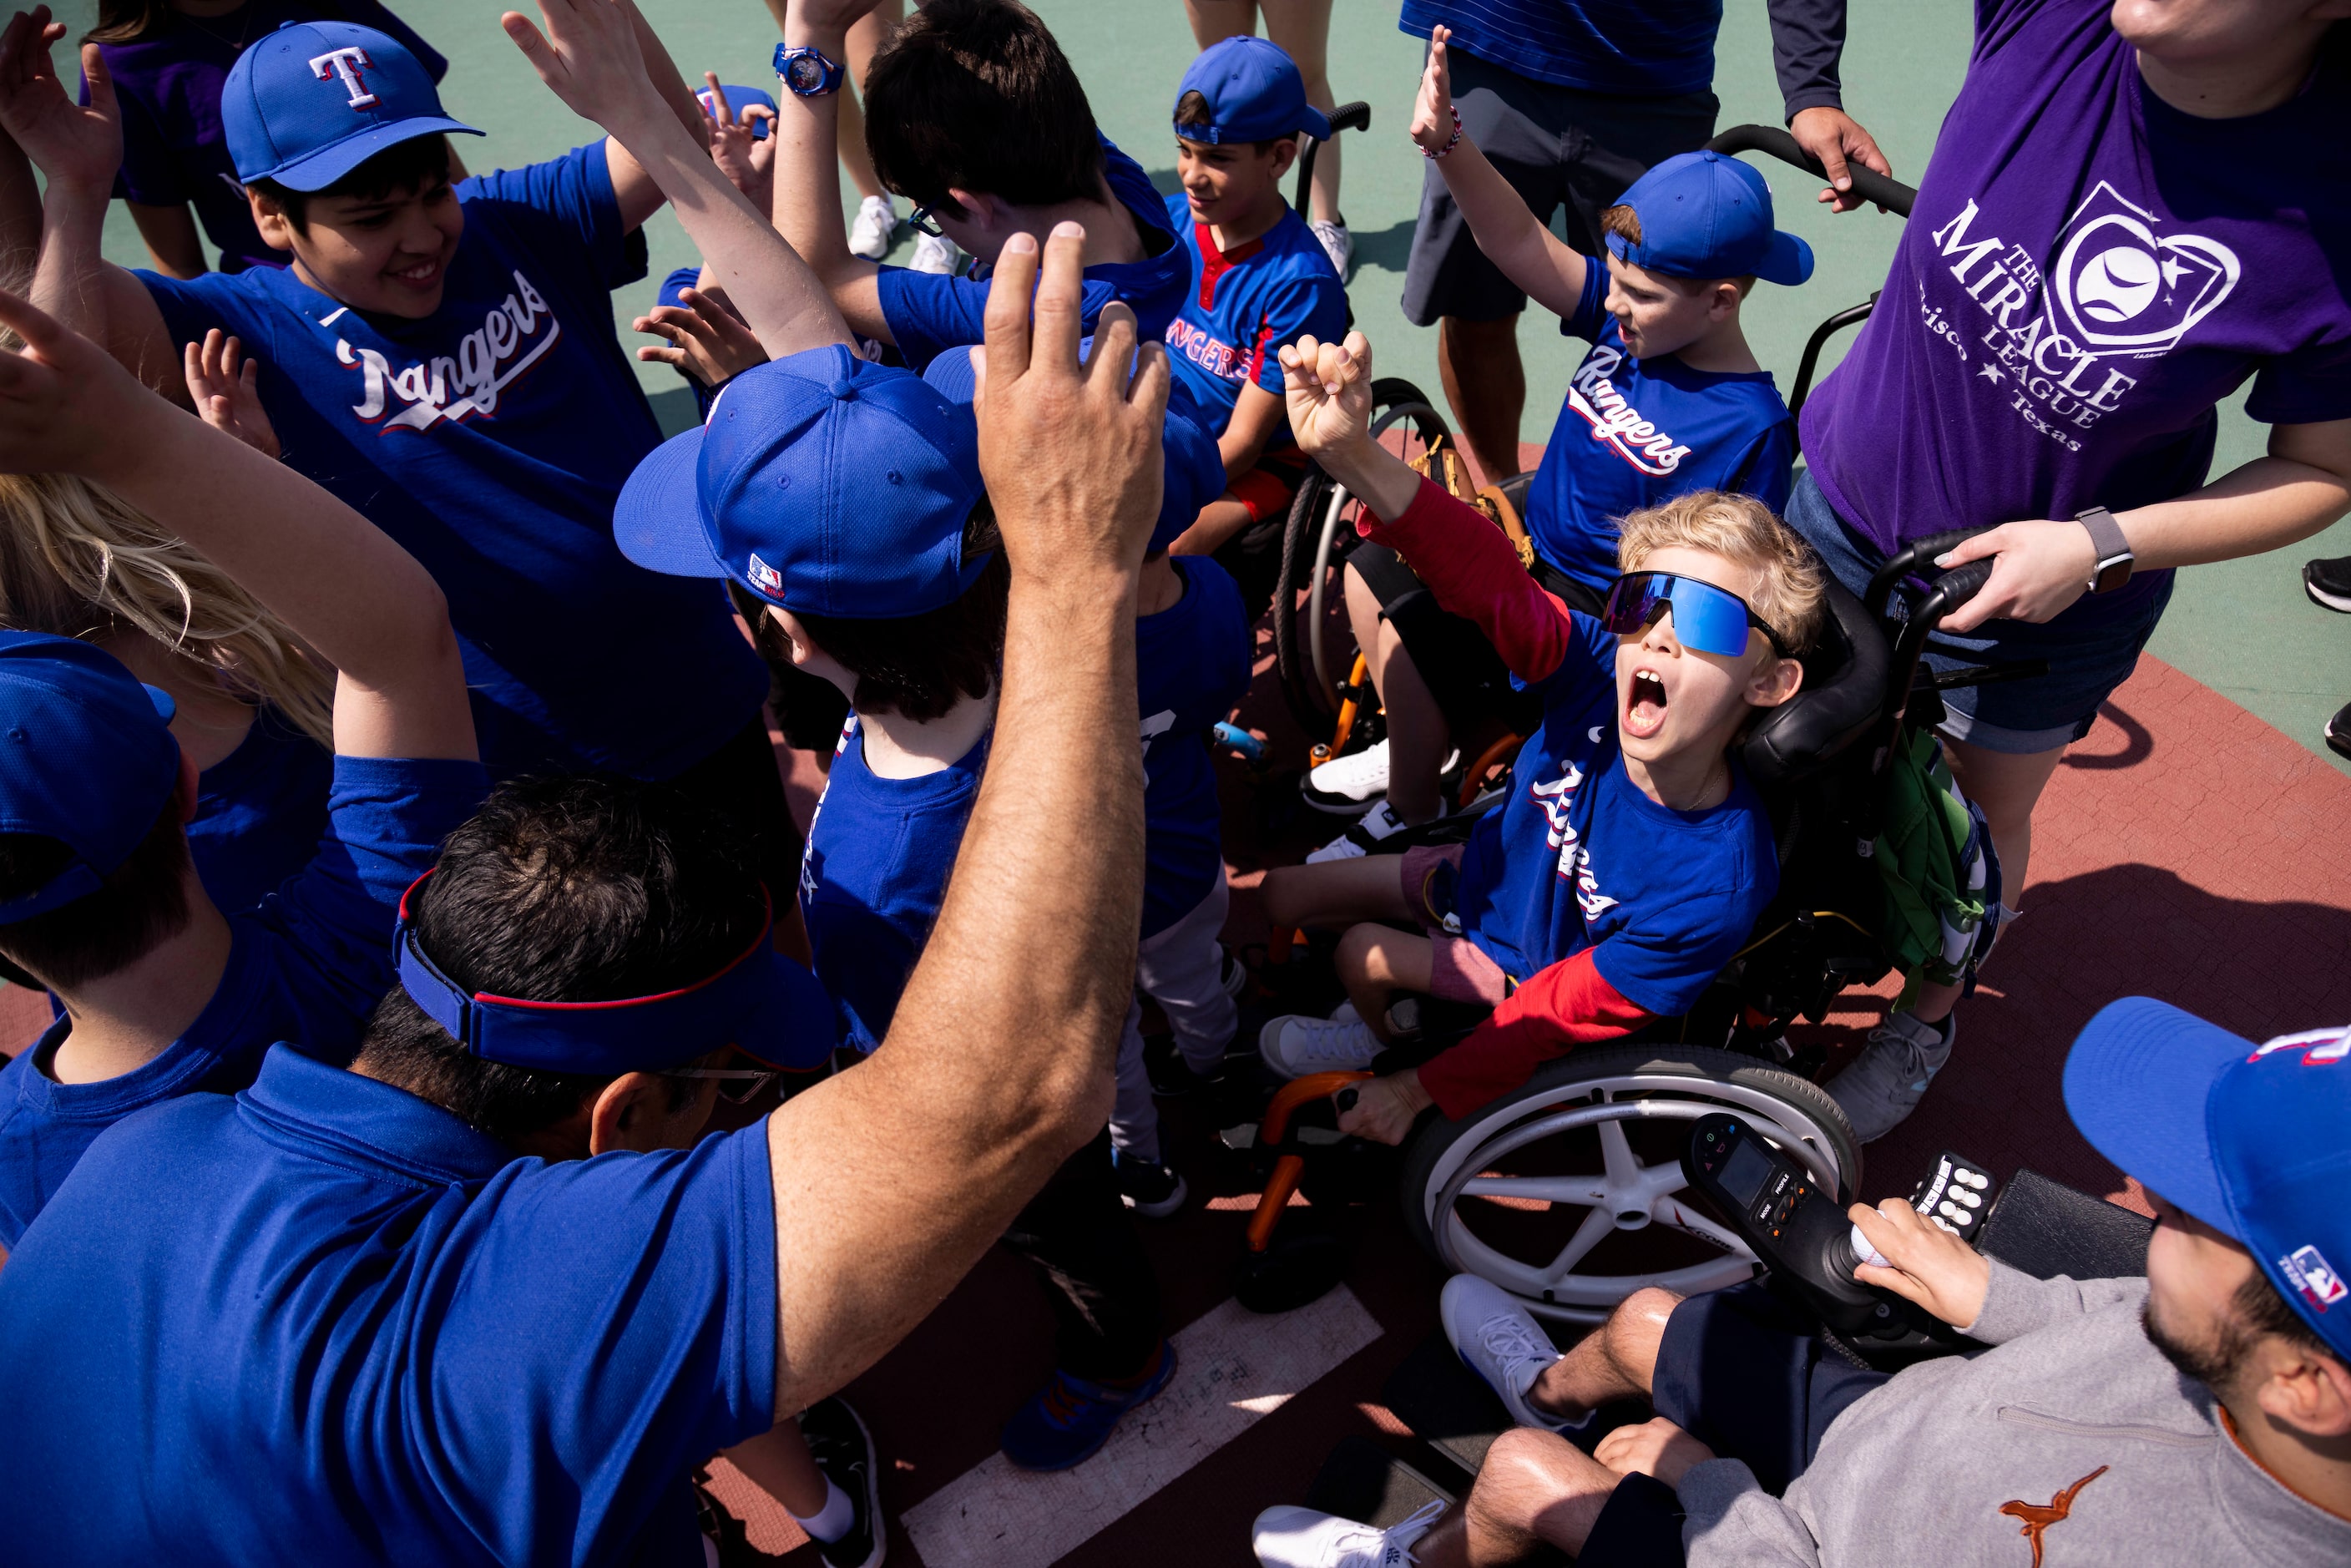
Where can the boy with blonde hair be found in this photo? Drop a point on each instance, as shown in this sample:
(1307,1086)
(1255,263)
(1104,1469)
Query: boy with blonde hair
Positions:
(1632,858)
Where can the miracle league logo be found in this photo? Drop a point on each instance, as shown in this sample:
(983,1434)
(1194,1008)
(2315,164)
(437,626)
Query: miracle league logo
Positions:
(2115,290)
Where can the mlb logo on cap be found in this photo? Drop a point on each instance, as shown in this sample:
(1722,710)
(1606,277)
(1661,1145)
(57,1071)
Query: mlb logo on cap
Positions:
(2311,1274)
(314,100)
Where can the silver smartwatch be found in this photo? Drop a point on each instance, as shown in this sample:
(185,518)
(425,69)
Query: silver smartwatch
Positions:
(2113,551)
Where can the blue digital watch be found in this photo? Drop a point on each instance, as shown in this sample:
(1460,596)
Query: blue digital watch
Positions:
(808,71)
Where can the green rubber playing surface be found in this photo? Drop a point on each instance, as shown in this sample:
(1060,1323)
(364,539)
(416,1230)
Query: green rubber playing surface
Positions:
(2243,627)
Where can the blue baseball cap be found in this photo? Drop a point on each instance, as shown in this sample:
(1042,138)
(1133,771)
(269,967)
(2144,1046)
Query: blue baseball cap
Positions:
(1704,215)
(314,100)
(2251,1139)
(736,98)
(86,757)
(1194,474)
(1254,93)
(822,483)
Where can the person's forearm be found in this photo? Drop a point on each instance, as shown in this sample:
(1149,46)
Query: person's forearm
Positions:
(1474,572)
(2267,504)
(1807,45)
(67,282)
(1256,416)
(1528,254)
(668,81)
(21,217)
(808,189)
(2015,1304)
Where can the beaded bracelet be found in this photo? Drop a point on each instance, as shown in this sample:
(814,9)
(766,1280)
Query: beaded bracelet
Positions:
(1454,142)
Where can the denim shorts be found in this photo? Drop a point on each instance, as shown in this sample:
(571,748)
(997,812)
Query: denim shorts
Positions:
(2024,717)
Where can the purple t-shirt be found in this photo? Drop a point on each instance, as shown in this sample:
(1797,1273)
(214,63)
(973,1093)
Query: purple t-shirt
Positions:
(168,85)
(2087,272)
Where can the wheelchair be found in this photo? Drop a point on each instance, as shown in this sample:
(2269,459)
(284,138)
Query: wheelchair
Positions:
(1569,1192)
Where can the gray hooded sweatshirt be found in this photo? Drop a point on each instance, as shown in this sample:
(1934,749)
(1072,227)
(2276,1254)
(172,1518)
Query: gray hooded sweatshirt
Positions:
(2072,1442)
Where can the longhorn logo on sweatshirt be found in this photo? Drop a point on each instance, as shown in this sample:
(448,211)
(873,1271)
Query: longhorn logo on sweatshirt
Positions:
(2038,1517)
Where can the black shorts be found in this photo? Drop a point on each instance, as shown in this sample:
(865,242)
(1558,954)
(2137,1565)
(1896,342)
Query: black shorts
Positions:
(1556,146)
(1455,661)
(1740,1371)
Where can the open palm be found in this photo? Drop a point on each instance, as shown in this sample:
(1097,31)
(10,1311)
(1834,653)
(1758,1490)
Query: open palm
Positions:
(66,141)
(65,405)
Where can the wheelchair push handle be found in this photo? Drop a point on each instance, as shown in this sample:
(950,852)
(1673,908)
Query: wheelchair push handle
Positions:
(1916,559)
(1867,183)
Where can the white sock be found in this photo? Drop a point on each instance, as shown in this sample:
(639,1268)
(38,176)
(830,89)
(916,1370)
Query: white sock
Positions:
(832,1522)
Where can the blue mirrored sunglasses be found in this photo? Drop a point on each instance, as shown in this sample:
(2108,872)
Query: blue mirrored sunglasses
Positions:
(1709,619)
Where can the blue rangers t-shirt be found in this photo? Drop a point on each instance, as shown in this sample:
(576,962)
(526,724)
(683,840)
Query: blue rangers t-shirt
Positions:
(326,1320)
(928,313)
(1637,433)
(1581,857)
(309,963)
(491,440)
(1244,305)
(874,874)
(1192,667)
(260,811)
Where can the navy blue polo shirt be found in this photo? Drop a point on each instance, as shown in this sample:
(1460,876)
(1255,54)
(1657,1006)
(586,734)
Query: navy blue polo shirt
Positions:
(325,1321)
(310,962)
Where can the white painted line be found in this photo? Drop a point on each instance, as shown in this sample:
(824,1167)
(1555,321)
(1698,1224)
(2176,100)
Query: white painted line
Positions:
(1233,1369)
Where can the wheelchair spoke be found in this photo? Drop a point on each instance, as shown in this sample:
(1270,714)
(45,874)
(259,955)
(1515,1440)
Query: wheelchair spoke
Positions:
(1584,1191)
(1596,1224)
(1624,1168)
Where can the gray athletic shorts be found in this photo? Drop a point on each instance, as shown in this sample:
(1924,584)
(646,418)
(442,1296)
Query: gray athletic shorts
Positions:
(1555,145)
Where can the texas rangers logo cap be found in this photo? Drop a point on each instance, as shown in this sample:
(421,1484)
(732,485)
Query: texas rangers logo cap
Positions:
(314,100)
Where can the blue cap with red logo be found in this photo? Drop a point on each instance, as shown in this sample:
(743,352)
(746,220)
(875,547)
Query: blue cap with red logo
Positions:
(1705,215)
(1254,93)
(86,757)
(2248,1138)
(822,483)
(314,100)
(1194,472)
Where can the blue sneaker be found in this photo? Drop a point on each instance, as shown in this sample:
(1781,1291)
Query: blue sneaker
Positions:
(1066,1422)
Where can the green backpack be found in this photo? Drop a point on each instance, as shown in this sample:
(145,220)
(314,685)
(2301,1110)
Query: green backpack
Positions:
(1936,869)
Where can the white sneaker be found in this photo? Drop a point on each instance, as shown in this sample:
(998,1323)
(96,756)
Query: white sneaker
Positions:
(1378,823)
(1337,244)
(1295,1045)
(1291,1537)
(1886,1081)
(1499,1340)
(935,253)
(1347,785)
(876,225)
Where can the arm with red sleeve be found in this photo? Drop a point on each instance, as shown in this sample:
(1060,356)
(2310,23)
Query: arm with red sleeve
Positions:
(1469,565)
(1557,1009)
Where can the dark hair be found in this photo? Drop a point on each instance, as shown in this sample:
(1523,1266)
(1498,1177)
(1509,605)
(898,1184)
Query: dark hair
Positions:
(2256,1313)
(977,94)
(141,905)
(922,666)
(1192,111)
(583,888)
(420,163)
(127,21)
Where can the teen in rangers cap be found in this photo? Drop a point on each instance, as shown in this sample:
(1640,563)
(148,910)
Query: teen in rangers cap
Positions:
(283,130)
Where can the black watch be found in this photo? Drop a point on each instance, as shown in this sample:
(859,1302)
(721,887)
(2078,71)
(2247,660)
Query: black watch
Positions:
(2113,551)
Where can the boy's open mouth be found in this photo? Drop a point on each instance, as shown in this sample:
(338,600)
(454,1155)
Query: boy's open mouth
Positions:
(1644,704)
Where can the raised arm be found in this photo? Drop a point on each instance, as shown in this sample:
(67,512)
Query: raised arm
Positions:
(634,189)
(890,1180)
(1529,253)
(350,592)
(808,188)
(589,54)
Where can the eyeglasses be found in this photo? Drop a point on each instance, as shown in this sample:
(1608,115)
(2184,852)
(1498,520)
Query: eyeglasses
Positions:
(1708,618)
(737,1086)
(922,222)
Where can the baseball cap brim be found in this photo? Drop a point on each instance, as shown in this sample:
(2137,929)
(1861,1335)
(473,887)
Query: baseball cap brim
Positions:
(332,163)
(1315,123)
(2137,1085)
(1787,260)
(657,522)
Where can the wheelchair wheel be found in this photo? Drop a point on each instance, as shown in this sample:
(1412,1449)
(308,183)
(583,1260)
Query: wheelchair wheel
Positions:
(1316,537)
(1569,1193)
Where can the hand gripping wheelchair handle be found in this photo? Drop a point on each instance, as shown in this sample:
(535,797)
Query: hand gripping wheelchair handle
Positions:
(1916,559)
(1867,183)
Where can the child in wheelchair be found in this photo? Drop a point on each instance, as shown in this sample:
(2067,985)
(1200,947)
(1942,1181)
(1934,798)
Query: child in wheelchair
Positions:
(1668,401)
(1632,859)
(1259,280)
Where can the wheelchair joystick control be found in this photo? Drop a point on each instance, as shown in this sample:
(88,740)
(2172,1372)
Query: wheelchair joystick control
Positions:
(1798,1232)
(1863,1252)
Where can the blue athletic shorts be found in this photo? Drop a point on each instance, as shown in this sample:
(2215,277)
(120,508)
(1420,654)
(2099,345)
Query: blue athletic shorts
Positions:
(2020,717)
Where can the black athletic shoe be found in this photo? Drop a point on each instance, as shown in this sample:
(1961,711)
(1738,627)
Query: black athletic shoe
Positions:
(1150,1188)
(2328,582)
(843,1450)
(2338,731)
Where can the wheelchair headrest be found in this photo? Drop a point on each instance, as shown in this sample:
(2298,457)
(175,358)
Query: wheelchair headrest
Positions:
(1843,691)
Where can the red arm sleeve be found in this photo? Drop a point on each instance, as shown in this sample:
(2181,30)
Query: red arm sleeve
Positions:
(1468,564)
(1556,1010)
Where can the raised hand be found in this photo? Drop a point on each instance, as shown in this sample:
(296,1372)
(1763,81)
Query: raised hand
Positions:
(1432,113)
(65,407)
(707,339)
(1328,387)
(1925,1262)
(588,57)
(1070,452)
(225,387)
(745,157)
(832,16)
(70,145)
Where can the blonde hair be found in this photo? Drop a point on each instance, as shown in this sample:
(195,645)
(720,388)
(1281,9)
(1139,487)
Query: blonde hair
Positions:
(1790,588)
(77,560)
